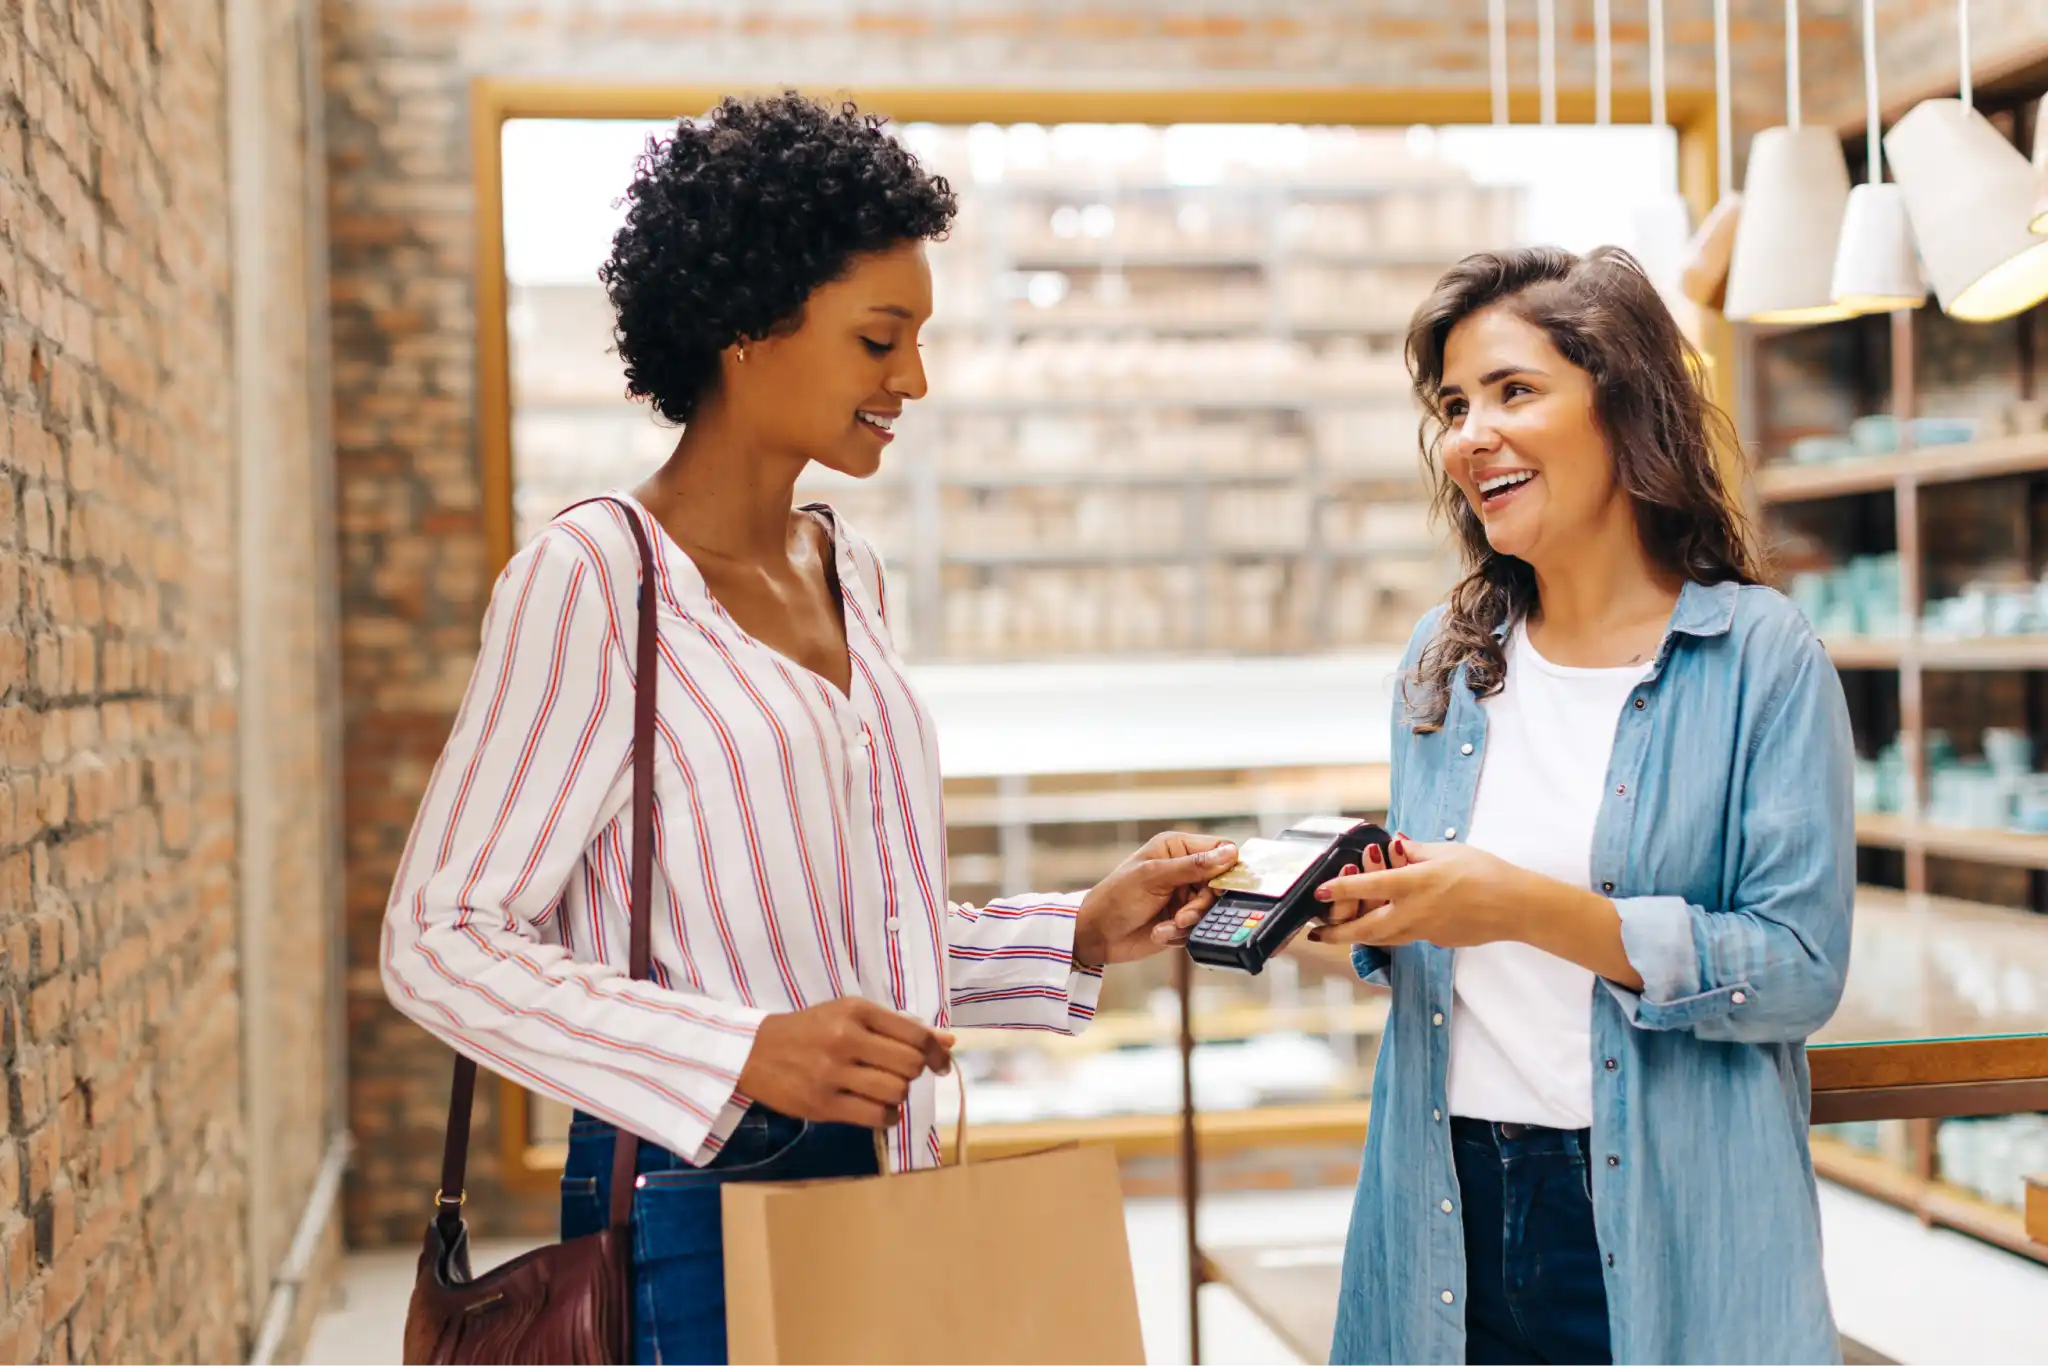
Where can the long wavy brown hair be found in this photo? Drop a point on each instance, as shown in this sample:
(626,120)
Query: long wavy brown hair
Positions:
(1604,316)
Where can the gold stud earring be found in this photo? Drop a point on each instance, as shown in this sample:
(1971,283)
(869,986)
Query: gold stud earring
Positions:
(742,356)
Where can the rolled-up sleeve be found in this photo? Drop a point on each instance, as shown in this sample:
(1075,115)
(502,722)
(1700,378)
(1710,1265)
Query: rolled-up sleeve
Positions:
(1010,965)
(1769,966)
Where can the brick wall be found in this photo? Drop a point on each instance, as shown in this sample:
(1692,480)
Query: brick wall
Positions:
(125,1155)
(1918,55)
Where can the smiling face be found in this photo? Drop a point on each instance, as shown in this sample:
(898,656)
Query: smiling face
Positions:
(832,389)
(1523,440)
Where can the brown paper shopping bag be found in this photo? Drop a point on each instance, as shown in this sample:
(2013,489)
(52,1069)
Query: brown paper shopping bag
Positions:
(1021,1259)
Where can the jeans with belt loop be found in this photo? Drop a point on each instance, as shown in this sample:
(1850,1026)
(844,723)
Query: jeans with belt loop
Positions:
(1534,1286)
(678,1232)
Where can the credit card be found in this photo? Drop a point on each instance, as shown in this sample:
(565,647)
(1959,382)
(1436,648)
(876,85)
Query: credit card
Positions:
(1269,867)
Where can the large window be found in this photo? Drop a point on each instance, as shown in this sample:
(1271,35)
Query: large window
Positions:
(1168,406)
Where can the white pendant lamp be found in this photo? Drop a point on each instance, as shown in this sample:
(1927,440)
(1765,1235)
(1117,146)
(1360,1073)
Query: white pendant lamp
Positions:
(1970,195)
(1876,270)
(1704,278)
(1793,198)
(2040,219)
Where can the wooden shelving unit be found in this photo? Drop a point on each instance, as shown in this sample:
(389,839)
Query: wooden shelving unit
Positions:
(1957,654)
(1881,504)
(1245,1020)
(1927,465)
(1935,1201)
(2010,848)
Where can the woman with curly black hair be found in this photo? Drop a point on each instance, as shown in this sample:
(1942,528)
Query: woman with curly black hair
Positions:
(770,283)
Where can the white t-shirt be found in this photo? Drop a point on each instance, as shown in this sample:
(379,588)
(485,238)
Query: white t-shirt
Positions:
(1522,1019)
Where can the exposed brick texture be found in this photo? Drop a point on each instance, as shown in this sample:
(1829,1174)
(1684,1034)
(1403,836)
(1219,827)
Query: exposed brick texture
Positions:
(124,1152)
(414,563)
(1919,55)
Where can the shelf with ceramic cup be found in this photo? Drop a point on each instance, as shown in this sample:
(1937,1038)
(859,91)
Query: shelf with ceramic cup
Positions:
(1176,400)
(1361,787)
(1936,1202)
(1947,464)
(1249,1020)
(1027,320)
(1060,557)
(2011,848)
(1106,255)
(1118,479)
(1958,653)
(1065,188)
(1867,652)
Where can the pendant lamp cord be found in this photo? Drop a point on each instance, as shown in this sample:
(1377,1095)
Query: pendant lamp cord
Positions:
(1497,57)
(1870,91)
(1969,93)
(1724,121)
(1657,118)
(1603,58)
(1792,63)
(1546,44)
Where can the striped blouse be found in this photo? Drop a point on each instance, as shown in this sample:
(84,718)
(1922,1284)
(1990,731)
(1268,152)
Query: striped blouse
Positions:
(800,850)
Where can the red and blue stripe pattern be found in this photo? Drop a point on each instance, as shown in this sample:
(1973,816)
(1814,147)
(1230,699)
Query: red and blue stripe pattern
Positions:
(799,850)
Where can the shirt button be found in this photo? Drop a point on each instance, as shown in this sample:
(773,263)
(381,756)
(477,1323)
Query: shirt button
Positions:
(893,923)
(1607,887)
(1622,790)
(1448,1297)
(1465,748)
(1640,704)
(1437,1115)
(864,739)
(1610,1259)
(1437,1018)
(1612,1064)
(1445,1207)
(1739,998)
(1451,833)
(1613,1161)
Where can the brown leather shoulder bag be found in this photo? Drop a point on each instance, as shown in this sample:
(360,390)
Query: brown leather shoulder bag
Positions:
(572,1301)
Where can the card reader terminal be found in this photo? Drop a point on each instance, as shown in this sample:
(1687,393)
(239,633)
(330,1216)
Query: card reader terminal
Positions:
(1271,892)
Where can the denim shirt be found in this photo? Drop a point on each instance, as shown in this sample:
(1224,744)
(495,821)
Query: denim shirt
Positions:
(1726,840)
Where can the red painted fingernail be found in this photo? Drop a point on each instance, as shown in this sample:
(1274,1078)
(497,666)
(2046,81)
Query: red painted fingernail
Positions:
(1323,893)
(1350,870)
(1374,855)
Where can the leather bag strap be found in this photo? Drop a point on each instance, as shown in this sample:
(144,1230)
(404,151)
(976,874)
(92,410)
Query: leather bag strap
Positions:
(462,1095)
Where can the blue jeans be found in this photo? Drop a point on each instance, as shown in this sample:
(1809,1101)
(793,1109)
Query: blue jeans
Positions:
(678,1238)
(1533,1286)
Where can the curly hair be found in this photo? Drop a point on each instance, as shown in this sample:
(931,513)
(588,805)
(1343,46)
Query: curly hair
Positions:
(733,220)
(1604,316)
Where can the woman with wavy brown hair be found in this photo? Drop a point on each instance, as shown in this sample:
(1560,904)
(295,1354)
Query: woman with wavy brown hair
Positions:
(1626,901)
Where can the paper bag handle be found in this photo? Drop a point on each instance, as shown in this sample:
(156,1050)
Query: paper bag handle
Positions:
(959,1129)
